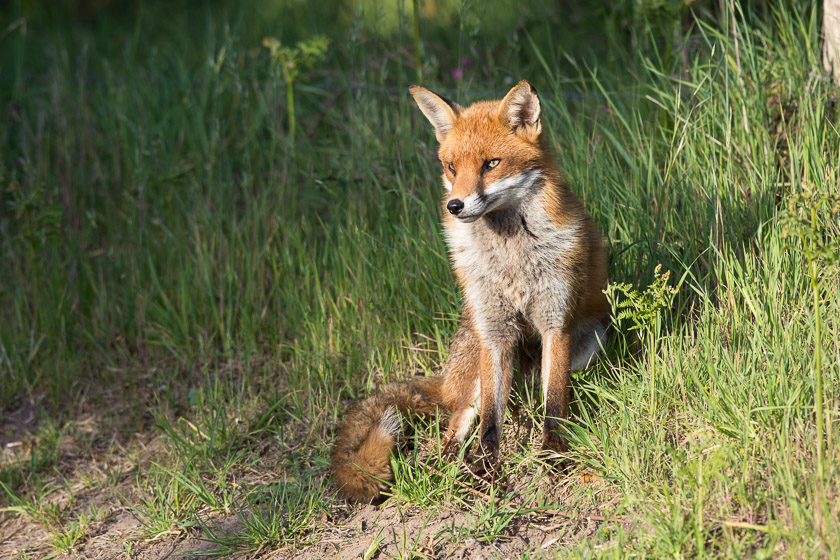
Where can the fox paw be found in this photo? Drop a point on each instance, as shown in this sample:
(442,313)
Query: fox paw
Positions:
(451,448)
(554,449)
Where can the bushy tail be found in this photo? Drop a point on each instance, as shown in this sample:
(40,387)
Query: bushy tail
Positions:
(371,431)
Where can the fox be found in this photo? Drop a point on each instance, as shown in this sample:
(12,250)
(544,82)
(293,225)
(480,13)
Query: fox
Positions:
(531,267)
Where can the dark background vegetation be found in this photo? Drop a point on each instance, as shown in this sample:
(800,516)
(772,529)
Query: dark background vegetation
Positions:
(126,122)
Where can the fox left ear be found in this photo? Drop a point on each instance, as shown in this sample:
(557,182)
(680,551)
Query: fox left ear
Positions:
(520,110)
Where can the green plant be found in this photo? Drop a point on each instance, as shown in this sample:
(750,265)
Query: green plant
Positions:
(492,517)
(68,537)
(643,310)
(39,221)
(36,507)
(426,479)
(290,61)
(813,217)
(281,514)
(164,506)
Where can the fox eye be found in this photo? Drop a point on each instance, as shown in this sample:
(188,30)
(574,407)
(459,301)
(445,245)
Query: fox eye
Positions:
(450,168)
(492,163)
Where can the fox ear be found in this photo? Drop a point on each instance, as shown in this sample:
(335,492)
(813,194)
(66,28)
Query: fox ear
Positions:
(520,110)
(440,111)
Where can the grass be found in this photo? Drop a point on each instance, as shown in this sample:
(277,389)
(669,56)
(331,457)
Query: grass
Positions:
(189,296)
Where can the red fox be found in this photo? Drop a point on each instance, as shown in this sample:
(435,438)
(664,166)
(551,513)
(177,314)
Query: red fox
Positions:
(531,268)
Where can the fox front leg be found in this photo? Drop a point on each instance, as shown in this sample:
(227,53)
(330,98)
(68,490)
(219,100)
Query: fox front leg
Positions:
(556,374)
(496,366)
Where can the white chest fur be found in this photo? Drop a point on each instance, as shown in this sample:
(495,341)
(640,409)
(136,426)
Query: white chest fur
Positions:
(512,264)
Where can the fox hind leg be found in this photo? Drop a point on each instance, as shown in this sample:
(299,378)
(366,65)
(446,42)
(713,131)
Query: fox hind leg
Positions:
(587,342)
(461,385)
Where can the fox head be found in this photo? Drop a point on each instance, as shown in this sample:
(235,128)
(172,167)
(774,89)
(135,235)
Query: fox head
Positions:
(490,151)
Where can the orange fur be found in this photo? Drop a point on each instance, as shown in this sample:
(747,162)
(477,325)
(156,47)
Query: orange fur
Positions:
(361,456)
(531,266)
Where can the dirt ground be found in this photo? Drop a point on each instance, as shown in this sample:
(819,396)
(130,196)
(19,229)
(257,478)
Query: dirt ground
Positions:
(100,463)
(382,532)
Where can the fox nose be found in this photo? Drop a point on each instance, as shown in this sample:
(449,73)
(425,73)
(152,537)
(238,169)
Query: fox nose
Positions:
(455,206)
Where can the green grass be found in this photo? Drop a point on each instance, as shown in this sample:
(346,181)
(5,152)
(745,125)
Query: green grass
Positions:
(189,296)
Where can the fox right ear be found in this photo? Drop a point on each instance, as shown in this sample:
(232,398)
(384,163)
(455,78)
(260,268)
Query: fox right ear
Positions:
(440,111)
